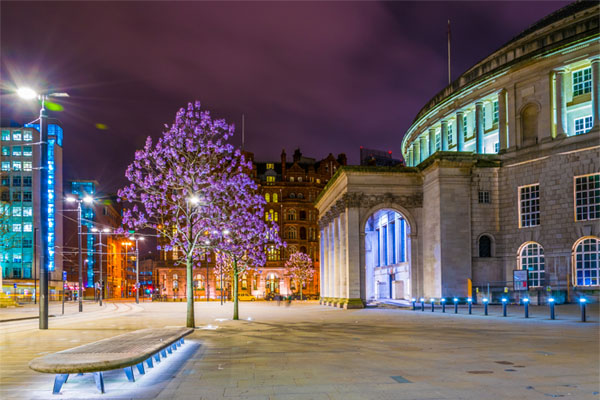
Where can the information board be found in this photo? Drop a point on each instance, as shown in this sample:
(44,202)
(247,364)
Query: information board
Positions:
(520,279)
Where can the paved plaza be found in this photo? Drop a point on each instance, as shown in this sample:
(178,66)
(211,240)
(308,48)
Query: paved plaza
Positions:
(308,351)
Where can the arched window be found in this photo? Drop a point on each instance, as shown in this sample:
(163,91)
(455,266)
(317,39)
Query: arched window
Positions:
(291,215)
(300,196)
(244,282)
(485,246)
(199,281)
(272,254)
(531,258)
(302,248)
(587,256)
(292,195)
(529,124)
(275,198)
(291,233)
(302,215)
(267,197)
(276,216)
(302,233)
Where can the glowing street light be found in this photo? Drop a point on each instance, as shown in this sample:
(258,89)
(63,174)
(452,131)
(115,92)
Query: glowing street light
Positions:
(26,93)
(137,266)
(100,232)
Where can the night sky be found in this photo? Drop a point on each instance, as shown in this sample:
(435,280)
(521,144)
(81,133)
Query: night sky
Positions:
(325,77)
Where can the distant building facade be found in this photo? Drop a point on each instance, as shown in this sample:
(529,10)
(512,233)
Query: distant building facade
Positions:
(503,176)
(20,242)
(378,158)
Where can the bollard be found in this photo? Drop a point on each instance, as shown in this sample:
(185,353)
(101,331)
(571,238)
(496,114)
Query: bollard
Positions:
(526,304)
(485,306)
(551,304)
(582,302)
(443,301)
(504,301)
(455,305)
(432,305)
(470,301)
(422,304)
(414,303)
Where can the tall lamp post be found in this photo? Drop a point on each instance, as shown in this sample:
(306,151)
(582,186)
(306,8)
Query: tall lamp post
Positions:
(100,231)
(30,94)
(137,266)
(87,200)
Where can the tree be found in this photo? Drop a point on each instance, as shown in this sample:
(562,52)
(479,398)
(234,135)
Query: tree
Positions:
(300,268)
(183,187)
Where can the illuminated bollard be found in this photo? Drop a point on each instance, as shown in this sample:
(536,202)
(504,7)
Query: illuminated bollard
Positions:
(470,301)
(455,305)
(485,306)
(422,304)
(414,301)
(582,302)
(432,305)
(551,304)
(443,301)
(504,301)
(526,304)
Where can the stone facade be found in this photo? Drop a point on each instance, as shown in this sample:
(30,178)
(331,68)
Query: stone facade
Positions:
(491,186)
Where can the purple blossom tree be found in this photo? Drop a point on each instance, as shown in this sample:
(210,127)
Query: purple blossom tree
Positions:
(191,186)
(300,268)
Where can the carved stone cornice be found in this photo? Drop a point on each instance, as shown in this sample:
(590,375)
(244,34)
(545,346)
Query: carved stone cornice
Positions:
(361,200)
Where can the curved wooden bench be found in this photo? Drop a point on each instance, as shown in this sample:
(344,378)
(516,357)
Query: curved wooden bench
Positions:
(123,351)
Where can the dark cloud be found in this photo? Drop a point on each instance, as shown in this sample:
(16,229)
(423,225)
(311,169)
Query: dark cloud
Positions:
(327,77)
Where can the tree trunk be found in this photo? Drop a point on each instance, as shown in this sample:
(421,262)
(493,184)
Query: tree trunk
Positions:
(235,290)
(301,290)
(190,293)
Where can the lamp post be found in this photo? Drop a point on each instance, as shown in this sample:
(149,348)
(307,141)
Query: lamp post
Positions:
(137,267)
(105,230)
(87,200)
(30,94)
(126,244)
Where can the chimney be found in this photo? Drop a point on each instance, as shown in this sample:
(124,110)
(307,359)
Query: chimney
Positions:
(297,155)
(283,161)
(341,159)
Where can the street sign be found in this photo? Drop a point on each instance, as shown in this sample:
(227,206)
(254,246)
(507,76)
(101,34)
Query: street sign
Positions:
(520,277)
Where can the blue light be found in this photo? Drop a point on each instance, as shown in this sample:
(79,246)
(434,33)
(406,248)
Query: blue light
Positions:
(432,300)
(469,299)
(582,300)
(422,299)
(525,300)
(551,300)
(504,300)
(51,180)
(455,299)
(413,299)
(443,300)
(485,300)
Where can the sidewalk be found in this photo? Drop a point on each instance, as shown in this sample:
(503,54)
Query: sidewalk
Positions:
(32,311)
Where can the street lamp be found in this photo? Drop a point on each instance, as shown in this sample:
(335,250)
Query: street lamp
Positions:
(126,244)
(105,230)
(30,94)
(137,267)
(88,200)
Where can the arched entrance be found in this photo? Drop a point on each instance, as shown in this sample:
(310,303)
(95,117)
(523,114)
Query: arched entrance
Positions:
(272,284)
(387,256)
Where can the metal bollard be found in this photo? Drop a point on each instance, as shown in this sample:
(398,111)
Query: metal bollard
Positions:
(504,301)
(455,305)
(470,301)
(443,301)
(485,306)
(432,305)
(422,304)
(526,304)
(414,303)
(551,304)
(582,302)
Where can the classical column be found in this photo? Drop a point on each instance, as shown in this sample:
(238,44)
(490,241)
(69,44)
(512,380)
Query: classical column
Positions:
(343,262)
(323,265)
(479,127)
(511,118)
(353,257)
(424,154)
(417,152)
(331,249)
(502,120)
(460,136)
(561,104)
(337,284)
(431,141)
(596,92)
(410,161)
(444,135)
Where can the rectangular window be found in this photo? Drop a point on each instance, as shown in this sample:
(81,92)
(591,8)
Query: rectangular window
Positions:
(270,166)
(27,196)
(5,150)
(450,142)
(583,125)
(16,196)
(393,237)
(378,248)
(17,211)
(5,165)
(465,127)
(582,81)
(270,179)
(484,197)
(16,228)
(27,151)
(16,151)
(27,136)
(385,246)
(17,166)
(27,181)
(16,181)
(6,181)
(587,197)
(438,142)
(27,211)
(27,243)
(27,166)
(529,209)
(496,147)
(495,108)
(16,135)
(27,227)
(5,135)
